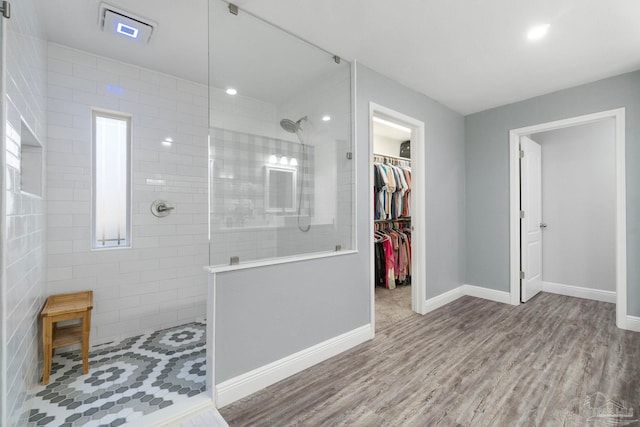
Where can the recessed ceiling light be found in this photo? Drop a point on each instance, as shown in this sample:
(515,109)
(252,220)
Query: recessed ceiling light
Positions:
(168,142)
(231,91)
(538,32)
(326,118)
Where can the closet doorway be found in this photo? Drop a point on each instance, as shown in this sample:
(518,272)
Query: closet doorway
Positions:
(519,259)
(397,216)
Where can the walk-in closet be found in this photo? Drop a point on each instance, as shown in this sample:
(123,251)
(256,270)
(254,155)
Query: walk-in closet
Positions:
(392,221)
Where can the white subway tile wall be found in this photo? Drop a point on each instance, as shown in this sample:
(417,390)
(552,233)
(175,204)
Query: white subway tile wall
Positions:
(160,281)
(25,224)
(241,226)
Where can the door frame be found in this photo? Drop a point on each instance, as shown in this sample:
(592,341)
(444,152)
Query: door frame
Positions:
(418,196)
(621,214)
(530,172)
(3,221)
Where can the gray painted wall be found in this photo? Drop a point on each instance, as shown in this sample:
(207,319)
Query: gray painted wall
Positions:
(444,174)
(265,314)
(487,174)
(579,205)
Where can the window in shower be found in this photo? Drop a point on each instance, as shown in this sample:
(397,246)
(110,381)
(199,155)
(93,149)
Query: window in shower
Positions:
(281,173)
(111,180)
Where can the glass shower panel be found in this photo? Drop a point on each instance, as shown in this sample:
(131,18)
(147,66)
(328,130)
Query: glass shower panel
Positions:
(281,177)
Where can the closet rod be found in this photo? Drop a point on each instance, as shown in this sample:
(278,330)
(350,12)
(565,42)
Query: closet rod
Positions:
(392,157)
(393,220)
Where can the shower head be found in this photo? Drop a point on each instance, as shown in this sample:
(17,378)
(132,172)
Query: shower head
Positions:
(294,127)
(291,126)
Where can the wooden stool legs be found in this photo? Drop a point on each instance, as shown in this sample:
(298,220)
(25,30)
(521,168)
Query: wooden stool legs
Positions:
(47,346)
(49,330)
(86,328)
(60,308)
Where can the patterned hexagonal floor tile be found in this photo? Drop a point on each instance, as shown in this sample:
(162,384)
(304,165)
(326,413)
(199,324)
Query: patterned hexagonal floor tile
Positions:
(133,378)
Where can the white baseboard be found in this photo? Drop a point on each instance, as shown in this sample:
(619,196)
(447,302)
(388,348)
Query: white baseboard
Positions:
(470,290)
(243,385)
(579,292)
(486,293)
(443,299)
(633,323)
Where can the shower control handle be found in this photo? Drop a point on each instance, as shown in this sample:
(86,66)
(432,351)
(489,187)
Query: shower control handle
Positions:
(163,208)
(160,208)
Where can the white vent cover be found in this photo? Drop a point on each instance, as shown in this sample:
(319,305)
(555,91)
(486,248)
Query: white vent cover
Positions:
(124,24)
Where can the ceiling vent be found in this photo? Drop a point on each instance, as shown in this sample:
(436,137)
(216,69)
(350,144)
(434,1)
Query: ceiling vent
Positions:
(124,24)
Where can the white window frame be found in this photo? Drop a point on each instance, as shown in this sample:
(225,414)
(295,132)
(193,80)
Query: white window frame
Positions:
(95,245)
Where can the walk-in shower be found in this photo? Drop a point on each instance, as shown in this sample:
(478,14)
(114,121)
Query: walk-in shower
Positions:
(273,194)
(295,127)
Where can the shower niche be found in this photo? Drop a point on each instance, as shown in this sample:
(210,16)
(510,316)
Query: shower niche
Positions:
(281,184)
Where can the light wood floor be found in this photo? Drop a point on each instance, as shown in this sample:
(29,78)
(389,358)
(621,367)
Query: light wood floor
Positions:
(550,362)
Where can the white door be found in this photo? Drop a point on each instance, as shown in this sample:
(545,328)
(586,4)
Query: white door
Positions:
(531,222)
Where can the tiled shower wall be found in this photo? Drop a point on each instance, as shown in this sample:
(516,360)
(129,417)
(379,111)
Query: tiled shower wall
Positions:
(24,232)
(241,225)
(160,281)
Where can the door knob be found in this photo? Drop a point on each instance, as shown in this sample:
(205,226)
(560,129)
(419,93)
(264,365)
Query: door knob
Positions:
(543,225)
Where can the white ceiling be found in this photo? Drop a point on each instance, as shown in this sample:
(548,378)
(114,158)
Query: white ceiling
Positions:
(178,45)
(470,55)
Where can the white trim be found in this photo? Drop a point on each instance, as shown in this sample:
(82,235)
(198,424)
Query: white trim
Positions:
(275,261)
(174,415)
(211,335)
(579,292)
(372,261)
(621,221)
(128,230)
(621,212)
(354,157)
(4,418)
(633,323)
(486,293)
(443,299)
(514,218)
(466,290)
(243,385)
(418,210)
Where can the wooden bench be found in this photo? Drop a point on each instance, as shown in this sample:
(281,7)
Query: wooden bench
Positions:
(63,307)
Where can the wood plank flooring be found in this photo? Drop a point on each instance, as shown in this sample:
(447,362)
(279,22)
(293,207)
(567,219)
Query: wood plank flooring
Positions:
(554,361)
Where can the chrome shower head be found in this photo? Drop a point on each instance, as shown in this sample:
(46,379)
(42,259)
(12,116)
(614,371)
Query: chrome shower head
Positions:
(291,126)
